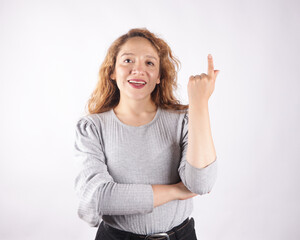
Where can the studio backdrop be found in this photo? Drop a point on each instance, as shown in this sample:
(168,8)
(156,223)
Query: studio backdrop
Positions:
(50,55)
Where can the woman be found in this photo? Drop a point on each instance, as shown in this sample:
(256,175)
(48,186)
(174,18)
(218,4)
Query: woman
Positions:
(138,174)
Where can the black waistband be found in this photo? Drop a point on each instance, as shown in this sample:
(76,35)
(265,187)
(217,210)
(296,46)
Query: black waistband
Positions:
(141,236)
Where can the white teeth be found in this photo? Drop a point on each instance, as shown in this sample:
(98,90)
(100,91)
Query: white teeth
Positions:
(137,82)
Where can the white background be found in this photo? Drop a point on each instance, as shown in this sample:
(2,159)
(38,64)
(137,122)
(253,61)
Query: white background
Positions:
(50,54)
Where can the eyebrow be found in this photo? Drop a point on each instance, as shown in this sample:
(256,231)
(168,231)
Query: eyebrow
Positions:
(149,56)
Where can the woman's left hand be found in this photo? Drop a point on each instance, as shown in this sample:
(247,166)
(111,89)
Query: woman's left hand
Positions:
(200,87)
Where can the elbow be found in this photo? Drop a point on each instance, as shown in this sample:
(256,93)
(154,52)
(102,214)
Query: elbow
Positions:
(200,180)
(88,193)
(202,191)
(200,188)
(89,216)
(88,207)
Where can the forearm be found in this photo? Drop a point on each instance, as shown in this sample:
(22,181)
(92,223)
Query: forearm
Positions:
(201,150)
(163,194)
(97,199)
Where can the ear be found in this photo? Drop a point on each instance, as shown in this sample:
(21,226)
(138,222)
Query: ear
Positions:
(158,81)
(112,76)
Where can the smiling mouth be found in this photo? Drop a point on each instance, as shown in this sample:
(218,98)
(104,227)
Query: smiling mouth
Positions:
(137,85)
(137,82)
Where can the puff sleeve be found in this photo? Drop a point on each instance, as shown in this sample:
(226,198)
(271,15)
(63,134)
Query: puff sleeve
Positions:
(97,191)
(197,180)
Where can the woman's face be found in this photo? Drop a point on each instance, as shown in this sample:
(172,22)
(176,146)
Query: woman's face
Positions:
(136,61)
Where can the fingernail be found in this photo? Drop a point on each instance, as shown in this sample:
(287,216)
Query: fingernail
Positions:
(209,56)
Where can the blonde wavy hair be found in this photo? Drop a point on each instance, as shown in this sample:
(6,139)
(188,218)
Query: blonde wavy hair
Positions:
(107,94)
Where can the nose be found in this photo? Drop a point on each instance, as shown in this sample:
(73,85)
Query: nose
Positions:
(138,68)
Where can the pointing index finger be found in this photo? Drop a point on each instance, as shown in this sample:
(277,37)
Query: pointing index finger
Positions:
(210,71)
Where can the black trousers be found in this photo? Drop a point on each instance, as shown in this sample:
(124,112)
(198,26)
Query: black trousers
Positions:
(184,231)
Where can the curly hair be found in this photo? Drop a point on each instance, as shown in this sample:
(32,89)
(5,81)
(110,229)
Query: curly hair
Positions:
(107,95)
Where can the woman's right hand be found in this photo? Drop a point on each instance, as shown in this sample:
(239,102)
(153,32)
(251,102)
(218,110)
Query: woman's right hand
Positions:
(182,193)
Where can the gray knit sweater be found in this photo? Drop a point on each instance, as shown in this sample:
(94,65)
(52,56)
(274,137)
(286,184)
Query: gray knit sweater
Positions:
(118,163)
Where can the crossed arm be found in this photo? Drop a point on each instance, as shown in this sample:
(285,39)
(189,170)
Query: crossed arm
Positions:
(100,195)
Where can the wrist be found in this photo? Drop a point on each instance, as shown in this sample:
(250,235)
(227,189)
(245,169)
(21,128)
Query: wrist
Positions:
(163,193)
(173,191)
(200,106)
(201,103)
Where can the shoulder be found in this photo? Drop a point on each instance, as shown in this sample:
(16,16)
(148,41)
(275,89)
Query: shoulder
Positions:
(95,118)
(95,121)
(178,116)
(173,112)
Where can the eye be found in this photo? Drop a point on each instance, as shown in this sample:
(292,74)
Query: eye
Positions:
(151,63)
(126,60)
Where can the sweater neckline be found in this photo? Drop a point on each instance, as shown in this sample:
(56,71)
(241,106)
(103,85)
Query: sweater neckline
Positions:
(136,127)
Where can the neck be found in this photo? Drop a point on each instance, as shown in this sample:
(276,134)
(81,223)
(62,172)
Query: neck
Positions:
(135,107)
